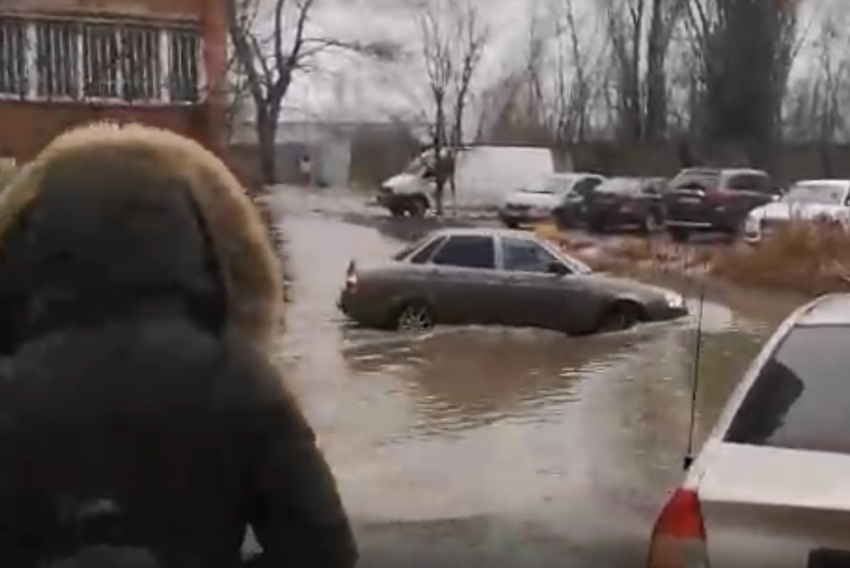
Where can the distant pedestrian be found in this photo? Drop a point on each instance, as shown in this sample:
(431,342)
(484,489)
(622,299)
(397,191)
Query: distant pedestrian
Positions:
(307,174)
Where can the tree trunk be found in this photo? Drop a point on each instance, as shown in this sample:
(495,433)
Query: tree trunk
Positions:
(266,145)
(656,77)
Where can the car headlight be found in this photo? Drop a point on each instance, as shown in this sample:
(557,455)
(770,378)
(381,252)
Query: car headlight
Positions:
(674,300)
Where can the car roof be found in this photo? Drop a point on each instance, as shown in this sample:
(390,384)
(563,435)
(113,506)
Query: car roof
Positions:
(832,309)
(734,171)
(570,176)
(823,182)
(720,171)
(484,232)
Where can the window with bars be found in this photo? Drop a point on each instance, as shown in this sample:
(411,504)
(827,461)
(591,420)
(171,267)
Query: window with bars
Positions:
(56,58)
(183,66)
(53,59)
(141,66)
(101,61)
(14,78)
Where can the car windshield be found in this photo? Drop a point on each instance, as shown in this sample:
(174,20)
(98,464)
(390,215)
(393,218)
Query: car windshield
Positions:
(549,186)
(824,194)
(799,400)
(619,186)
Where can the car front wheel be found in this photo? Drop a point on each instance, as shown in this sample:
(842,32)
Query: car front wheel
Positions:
(619,316)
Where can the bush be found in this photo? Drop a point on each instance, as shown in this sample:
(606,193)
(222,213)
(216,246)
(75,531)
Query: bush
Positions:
(812,258)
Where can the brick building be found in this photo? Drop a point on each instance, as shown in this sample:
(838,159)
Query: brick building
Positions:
(67,62)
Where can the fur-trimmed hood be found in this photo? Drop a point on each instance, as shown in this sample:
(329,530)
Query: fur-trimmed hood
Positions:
(107,163)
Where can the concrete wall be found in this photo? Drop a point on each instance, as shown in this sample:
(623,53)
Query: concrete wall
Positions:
(342,153)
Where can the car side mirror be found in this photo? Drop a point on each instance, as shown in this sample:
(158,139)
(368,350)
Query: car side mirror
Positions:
(557,269)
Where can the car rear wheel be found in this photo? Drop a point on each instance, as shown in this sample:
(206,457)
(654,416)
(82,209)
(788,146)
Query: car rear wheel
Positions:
(619,316)
(418,206)
(510,223)
(414,316)
(653,223)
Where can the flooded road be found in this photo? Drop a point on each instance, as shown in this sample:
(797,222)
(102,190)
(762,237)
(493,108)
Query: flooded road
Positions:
(493,446)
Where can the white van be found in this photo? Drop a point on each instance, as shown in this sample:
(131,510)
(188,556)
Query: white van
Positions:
(484,175)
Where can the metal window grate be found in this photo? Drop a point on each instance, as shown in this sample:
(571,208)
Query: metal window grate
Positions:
(56,59)
(183,66)
(109,61)
(101,61)
(141,66)
(14,78)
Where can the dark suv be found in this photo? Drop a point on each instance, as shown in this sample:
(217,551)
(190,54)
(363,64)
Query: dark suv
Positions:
(715,200)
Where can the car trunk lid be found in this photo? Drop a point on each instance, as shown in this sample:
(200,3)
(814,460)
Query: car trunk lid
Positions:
(765,506)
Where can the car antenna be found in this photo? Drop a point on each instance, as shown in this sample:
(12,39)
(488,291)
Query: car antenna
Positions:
(689,454)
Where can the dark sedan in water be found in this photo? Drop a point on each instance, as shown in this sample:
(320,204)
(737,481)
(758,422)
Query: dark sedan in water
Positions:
(498,277)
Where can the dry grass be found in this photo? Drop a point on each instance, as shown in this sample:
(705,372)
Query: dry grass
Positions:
(813,258)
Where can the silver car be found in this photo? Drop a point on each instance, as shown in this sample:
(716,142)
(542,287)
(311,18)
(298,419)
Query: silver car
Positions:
(771,486)
(498,277)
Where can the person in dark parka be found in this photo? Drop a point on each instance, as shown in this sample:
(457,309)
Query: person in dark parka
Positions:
(139,305)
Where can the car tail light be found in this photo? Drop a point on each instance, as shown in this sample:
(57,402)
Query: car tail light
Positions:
(678,538)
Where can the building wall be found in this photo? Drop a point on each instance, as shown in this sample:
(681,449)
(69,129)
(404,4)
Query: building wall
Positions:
(26,126)
(158,9)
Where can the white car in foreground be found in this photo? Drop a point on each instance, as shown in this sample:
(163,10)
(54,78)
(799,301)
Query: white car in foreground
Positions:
(771,486)
(805,201)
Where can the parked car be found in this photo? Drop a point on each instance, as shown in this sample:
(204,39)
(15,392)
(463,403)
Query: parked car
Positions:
(537,201)
(498,277)
(770,485)
(626,202)
(714,200)
(806,201)
(483,176)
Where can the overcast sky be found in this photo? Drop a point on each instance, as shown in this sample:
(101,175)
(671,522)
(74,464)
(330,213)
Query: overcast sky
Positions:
(350,87)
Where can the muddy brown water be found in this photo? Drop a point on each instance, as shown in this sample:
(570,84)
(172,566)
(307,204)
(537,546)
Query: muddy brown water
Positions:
(462,441)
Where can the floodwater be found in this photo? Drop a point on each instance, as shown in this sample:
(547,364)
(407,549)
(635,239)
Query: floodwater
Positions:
(494,446)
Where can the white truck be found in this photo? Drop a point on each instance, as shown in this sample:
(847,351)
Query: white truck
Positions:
(484,175)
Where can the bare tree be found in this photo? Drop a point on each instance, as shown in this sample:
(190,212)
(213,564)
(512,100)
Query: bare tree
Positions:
(815,105)
(453,38)
(745,49)
(270,59)
(639,32)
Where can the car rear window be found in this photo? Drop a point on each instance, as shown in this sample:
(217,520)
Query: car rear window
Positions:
(427,251)
(696,180)
(801,397)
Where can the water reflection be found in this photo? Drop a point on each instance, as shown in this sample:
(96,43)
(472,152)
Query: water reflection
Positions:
(469,378)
